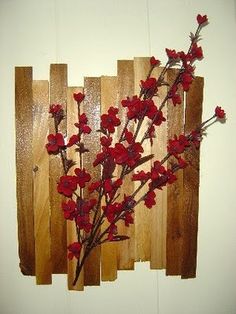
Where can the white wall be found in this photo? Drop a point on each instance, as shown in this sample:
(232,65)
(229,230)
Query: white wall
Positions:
(90,36)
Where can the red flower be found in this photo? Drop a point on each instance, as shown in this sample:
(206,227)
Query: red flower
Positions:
(110,121)
(171,178)
(67,185)
(182,163)
(140,176)
(150,83)
(154,62)
(172,54)
(196,52)
(149,199)
(56,109)
(74,250)
(129,102)
(106,141)
(202,19)
(178,145)
(79,97)
(128,219)
(83,222)
(219,113)
(112,231)
(55,142)
(82,177)
(112,210)
(186,80)
(82,125)
(69,209)
(73,140)
(94,186)
(127,155)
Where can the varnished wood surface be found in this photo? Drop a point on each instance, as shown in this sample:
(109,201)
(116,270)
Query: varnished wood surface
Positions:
(24,167)
(41,183)
(193,117)
(58,95)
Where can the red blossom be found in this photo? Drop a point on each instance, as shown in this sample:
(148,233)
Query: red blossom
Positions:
(171,177)
(141,176)
(82,177)
(154,62)
(149,83)
(94,186)
(196,138)
(177,145)
(202,19)
(79,97)
(74,139)
(219,112)
(55,142)
(182,163)
(69,209)
(112,231)
(186,80)
(127,155)
(196,52)
(129,102)
(56,109)
(112,210)
(149,199)
(128,219)
(172,54)
(74,250)
(106,141)
(109,121)
(67,185)
(82,124)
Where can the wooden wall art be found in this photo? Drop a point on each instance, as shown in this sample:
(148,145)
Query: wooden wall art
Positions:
(165,235)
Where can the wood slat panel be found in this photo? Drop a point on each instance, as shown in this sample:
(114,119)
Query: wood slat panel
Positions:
(174,193)
(125,249)
(92,104)
(108,250)
(43,266)
(72,117)
(24,166)
(193,117)
(58,95)
(142,214)
(159,211)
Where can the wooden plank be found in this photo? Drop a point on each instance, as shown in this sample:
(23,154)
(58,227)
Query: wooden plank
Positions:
(159,211)
(108,250)
(174,192)
(24,166)
(43,267)
(92,103)
(58,95)
(142,213)
(72,117)
(125,249)
(193,117)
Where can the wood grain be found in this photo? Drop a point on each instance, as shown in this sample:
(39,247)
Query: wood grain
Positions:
(92,107)
(159,211)
(58,95)
(108,250)
(125,249)
(24,166)
(43,266)
(72,117)
(193,117)
(174,192)
(142,213)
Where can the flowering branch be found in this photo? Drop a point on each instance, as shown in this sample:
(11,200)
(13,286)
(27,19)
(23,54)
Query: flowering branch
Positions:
(125,154)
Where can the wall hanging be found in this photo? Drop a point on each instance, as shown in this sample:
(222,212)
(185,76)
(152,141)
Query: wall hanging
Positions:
(105,178)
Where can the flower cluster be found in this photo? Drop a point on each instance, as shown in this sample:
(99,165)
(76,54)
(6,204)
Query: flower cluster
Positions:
(118,158)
